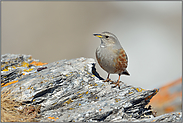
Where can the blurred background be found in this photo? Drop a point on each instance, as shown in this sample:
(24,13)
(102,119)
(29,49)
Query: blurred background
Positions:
(149,31)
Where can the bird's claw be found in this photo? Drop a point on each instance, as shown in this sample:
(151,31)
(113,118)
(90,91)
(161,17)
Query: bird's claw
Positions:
(116,84)
(108,80)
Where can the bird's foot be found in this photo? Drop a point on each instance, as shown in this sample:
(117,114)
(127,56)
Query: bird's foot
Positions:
(116,84)
(108,80)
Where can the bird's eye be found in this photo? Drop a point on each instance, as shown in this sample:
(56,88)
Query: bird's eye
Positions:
(107,36)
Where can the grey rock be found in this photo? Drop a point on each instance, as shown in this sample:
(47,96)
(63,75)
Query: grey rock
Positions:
(73,91)
(169,117)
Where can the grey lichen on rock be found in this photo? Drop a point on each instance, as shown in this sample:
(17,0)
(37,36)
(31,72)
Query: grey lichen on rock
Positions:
(73,91)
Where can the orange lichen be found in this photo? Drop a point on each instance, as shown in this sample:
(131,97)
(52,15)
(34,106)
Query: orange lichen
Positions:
(69,101)
(81,97)
(25,64)
(9,83)
(117,100)
(28,70)
(96,84)
(139,89)
(30,58)
(53,118)
(2,65)
(38,63)
(2,84)
(5,70)
(100,109)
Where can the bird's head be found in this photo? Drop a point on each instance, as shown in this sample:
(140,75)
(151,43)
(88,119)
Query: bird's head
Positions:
(108,39)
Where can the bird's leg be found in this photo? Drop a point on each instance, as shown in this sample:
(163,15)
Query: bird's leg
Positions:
(107,80)
(117,83)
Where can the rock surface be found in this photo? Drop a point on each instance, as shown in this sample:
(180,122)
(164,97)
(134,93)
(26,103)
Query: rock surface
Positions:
(73,91)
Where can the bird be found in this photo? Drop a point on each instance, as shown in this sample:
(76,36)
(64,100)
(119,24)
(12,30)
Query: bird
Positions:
(111,56)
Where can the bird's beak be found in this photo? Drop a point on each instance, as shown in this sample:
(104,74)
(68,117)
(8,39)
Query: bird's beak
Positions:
(98,35)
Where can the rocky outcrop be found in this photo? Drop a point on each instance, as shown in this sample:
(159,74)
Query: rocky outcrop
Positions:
(73,91)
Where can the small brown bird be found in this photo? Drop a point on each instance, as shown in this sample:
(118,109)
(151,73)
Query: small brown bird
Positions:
(111,56)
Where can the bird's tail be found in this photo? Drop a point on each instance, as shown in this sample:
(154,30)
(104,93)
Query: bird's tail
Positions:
(126,73)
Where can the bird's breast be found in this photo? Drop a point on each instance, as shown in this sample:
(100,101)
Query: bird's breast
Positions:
(112,61)
(105,58)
